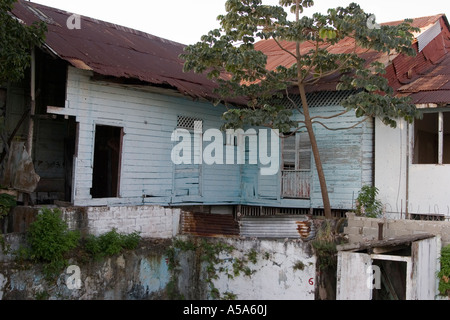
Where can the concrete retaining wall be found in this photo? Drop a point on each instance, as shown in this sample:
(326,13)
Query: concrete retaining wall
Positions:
(362,228)
(150,220)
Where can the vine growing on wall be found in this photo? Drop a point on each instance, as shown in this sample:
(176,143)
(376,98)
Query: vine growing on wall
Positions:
(215,258)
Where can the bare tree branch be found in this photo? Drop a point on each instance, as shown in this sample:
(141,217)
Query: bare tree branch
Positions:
(346,128)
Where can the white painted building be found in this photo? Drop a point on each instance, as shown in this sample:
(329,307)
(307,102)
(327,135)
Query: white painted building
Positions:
(412,161)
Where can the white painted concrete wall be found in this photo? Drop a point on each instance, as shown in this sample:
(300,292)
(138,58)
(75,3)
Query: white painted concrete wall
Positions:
(275,276)
(151,221)
(428,183)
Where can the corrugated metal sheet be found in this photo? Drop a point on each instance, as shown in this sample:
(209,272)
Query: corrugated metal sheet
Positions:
(403,70)
(113,50)
(277,226)
(209,225)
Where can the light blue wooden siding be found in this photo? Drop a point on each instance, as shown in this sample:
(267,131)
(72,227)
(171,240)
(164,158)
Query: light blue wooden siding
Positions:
(148,120)
(149,176)
(347,160)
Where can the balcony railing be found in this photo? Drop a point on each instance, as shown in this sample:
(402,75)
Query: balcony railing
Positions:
(296,184)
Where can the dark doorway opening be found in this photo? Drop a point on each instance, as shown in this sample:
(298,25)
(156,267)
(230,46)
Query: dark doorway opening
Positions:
(107,161)
(393,280)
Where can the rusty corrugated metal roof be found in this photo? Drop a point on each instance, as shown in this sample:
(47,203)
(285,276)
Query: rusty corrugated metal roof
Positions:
(426,77)
(112,50)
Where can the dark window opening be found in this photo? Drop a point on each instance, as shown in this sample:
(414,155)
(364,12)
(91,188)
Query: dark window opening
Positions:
(51,78)
(426,139)
(432,139)
(446,138)
(107,161)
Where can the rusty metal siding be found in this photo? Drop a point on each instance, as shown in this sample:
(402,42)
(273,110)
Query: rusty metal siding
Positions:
(117,51)
(209,225)
(274,226)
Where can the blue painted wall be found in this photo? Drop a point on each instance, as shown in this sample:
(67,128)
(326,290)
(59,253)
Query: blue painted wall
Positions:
(149,176)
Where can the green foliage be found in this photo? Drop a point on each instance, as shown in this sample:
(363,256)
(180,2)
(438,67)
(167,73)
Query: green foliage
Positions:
(210,255)
(299,265)
(444,273)
(7,202)
(50,240)
(324,246)
(367,203)
(111,243)
(231,50)
(16,42)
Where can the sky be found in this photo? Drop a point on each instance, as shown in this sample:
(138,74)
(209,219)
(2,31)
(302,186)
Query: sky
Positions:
(185,21)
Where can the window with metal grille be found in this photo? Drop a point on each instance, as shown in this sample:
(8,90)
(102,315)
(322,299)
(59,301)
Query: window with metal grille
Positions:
(189,123)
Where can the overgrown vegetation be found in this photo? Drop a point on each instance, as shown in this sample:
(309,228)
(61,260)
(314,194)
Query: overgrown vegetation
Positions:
(216,259)
(7,202)
(324,245)
(444,273)
(50,241)
(111,243)
(367,203)
(16,40)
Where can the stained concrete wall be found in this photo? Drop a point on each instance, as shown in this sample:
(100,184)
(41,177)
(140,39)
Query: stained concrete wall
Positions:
(285,269)
(133,275)
(360,229)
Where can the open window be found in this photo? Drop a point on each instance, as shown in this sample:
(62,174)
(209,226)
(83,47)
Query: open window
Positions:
(107,161)
(432,139)
(296,166)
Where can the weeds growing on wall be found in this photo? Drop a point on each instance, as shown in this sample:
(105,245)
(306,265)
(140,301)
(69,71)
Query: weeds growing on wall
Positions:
(50,241)
(111,243)
(7,202)
(324,245)
(444,273)
(211,255)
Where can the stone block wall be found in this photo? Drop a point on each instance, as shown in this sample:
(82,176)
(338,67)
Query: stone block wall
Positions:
(360,229)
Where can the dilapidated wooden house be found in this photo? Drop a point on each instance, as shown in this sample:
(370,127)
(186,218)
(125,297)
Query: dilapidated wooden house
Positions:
(108,100)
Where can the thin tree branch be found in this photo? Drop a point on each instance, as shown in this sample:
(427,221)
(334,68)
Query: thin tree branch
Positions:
(346,128)
(330,117)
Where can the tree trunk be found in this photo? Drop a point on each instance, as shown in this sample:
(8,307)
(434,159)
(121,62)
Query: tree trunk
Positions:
(309,126)
(316,154)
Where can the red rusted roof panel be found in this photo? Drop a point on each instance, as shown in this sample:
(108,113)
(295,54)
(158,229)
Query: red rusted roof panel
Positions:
(114,50)
(428,71)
